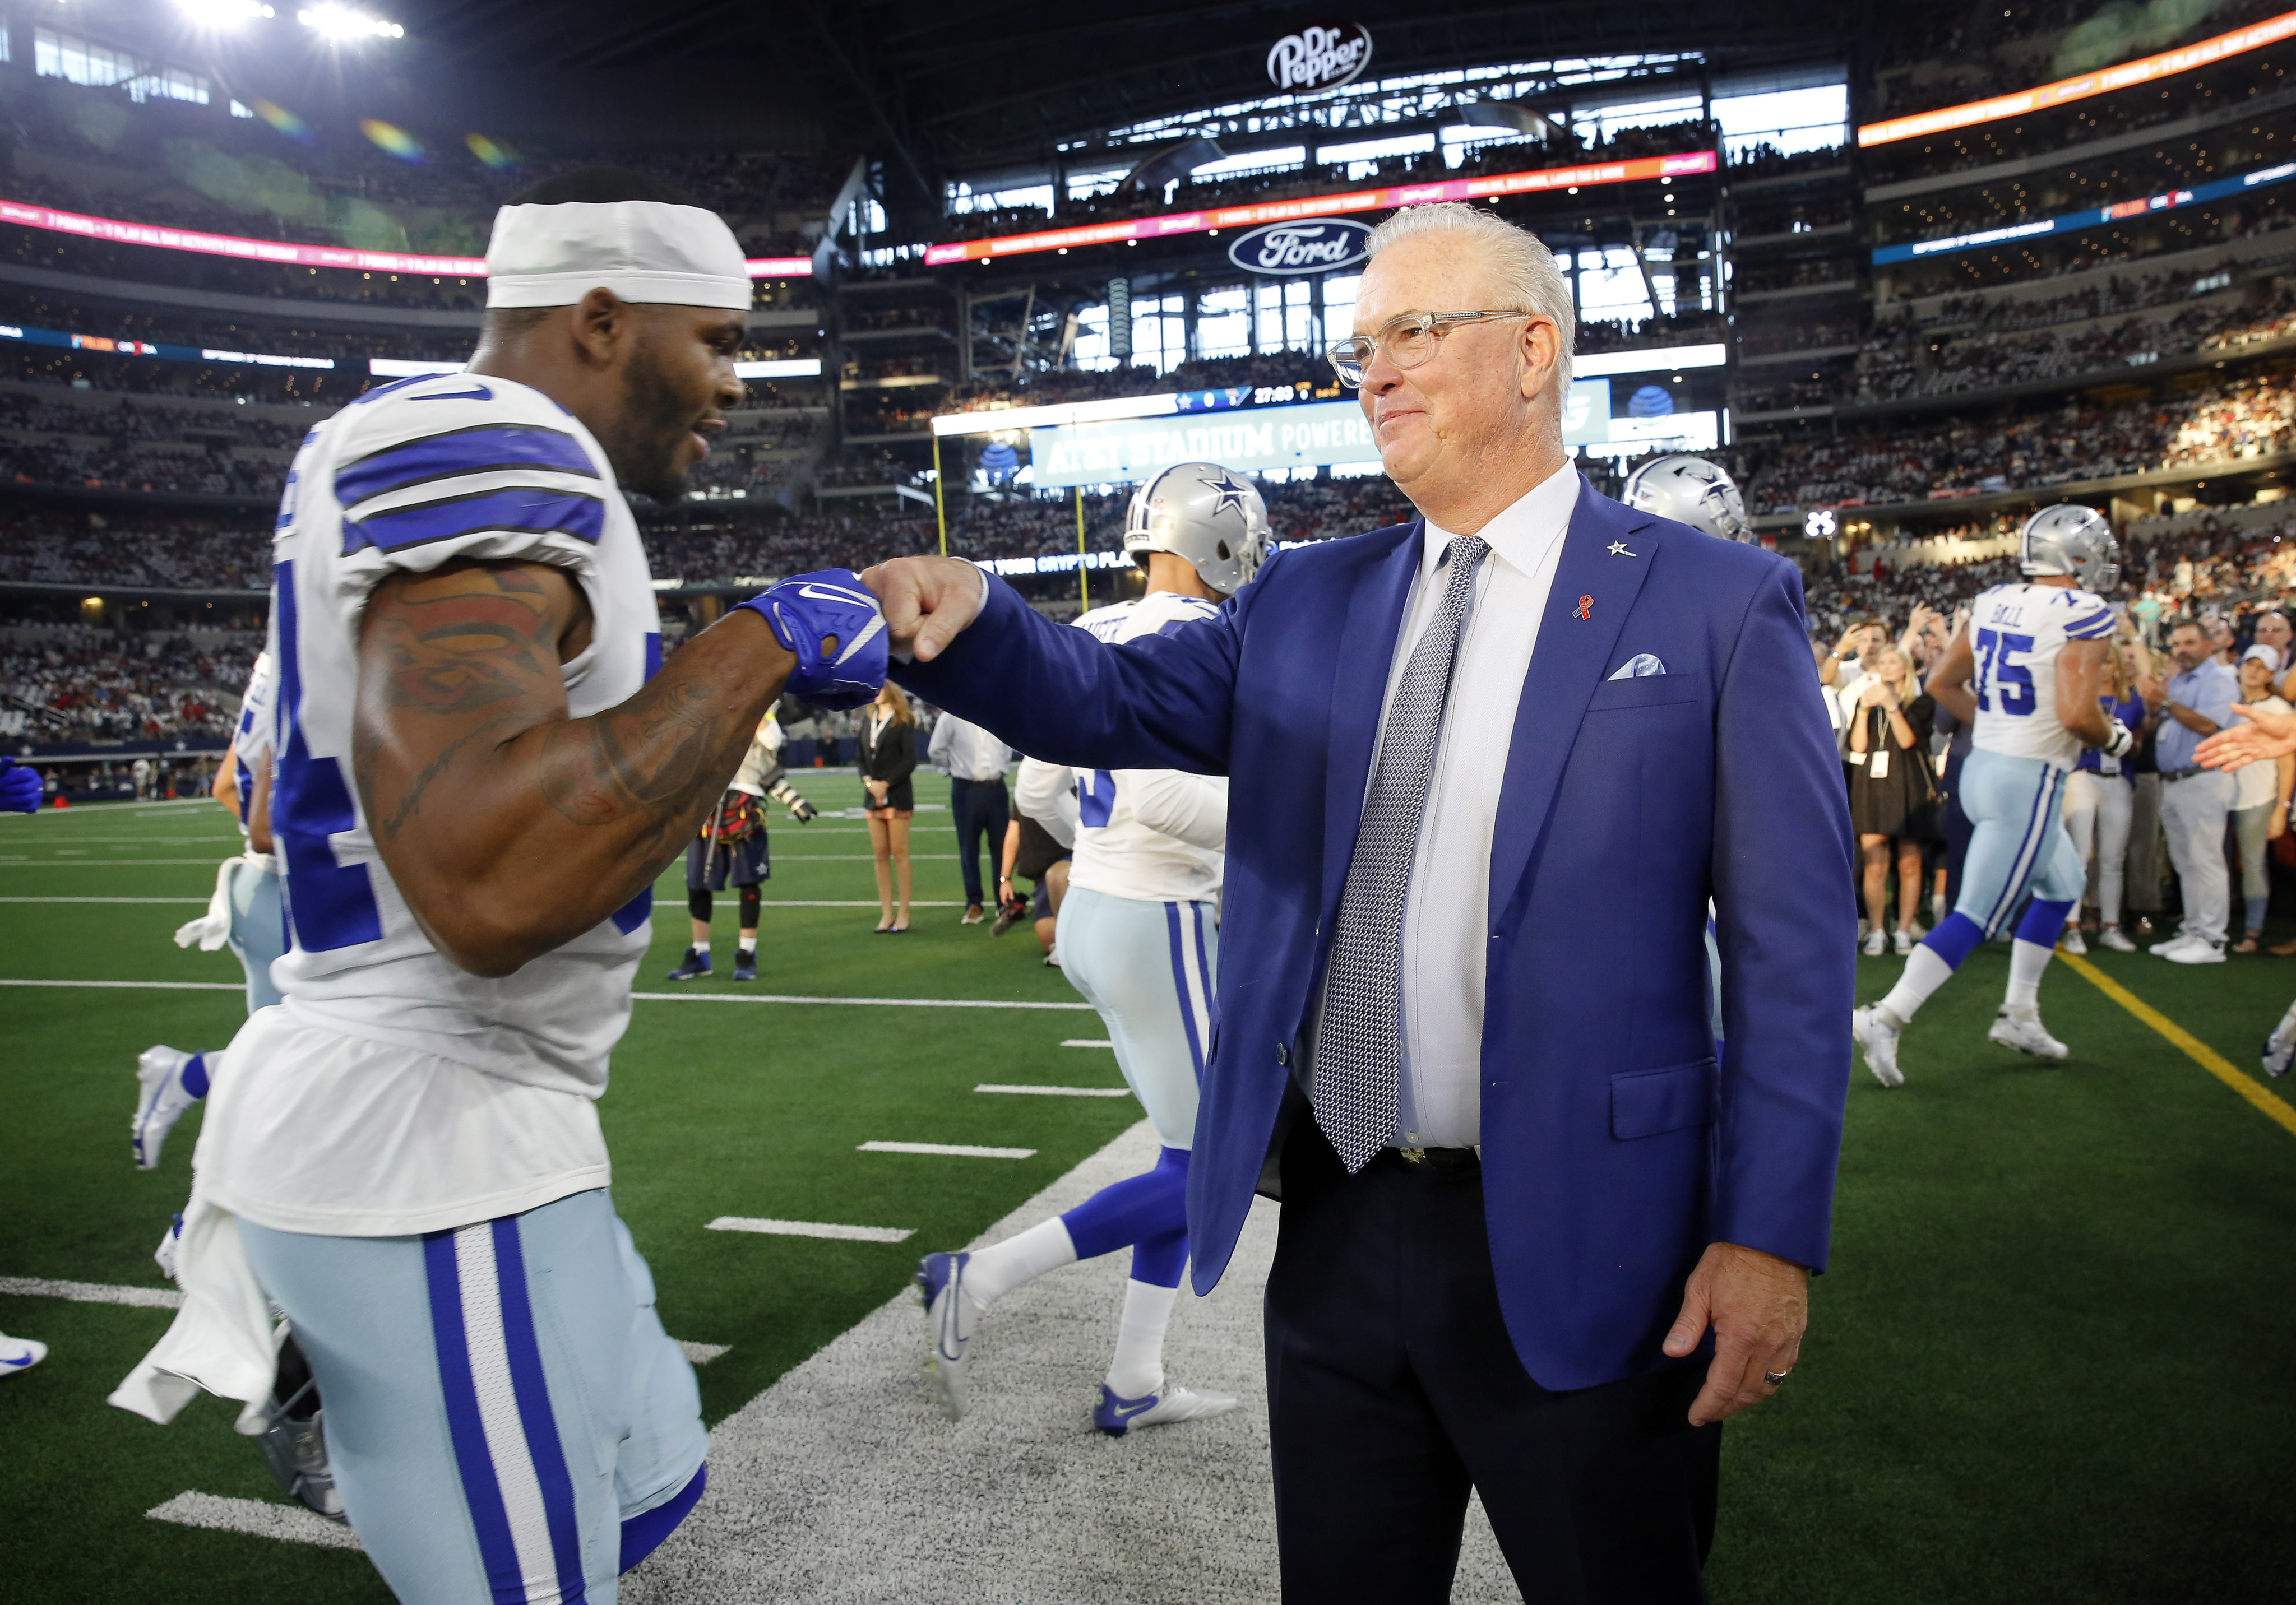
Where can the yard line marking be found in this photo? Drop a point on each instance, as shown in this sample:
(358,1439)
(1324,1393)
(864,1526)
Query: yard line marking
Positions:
(848,1002)
(1087,1042)
(644,997)
(828,1229)
(108,864)
(701,1353)
(665,910)
(2215,1063)
(1057,1092)
(139,985)
(955,1151)
(199,900)
(93,1292)
(258,1518)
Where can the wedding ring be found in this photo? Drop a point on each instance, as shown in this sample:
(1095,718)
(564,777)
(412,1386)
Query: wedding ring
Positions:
(1774,1376)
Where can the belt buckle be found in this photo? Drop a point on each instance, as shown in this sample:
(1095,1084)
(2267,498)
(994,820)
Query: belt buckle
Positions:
(1412,1156)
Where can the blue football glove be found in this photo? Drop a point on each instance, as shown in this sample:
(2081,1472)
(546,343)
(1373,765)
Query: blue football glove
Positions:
(806,609)
(19,788)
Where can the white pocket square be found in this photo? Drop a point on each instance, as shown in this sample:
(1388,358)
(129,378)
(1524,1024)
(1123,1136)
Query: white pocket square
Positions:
(1637,666)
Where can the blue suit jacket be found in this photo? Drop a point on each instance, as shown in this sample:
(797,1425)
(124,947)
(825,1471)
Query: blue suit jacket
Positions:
(1614,1148)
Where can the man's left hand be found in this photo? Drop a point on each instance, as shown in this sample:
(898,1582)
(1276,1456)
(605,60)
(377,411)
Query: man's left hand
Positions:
(1758,1305)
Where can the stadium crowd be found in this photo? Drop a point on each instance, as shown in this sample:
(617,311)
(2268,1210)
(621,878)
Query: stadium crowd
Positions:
(2220,418)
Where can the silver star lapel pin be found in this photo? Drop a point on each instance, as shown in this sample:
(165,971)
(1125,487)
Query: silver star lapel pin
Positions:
(1618,549)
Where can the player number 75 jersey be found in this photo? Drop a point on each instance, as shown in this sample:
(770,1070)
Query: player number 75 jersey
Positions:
(2016,632)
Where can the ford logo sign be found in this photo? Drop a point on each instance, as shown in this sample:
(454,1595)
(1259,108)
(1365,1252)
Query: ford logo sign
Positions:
(1316,58)
(1319,247)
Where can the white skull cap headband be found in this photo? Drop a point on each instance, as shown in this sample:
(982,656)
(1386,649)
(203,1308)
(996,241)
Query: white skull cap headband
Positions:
(643,250)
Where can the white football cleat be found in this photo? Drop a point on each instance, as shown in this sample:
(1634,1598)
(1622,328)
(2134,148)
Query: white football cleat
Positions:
(2021,1029)
(21,1354)
(159,1104)
(952,1317)
(2072,941)
(2280,1047)
(2110,937)
(1117,1416)
(164,1255)
(1879,1038)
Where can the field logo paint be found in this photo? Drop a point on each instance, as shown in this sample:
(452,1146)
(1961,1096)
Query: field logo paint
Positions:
(1319,59)
(1321,247)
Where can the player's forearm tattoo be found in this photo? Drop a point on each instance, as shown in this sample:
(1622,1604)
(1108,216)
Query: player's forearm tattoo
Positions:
(481,647)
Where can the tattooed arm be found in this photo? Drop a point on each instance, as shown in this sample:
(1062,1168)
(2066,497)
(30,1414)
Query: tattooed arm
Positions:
(510,828)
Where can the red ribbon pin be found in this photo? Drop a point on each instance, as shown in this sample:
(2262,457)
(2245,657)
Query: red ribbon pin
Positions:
(1585,608)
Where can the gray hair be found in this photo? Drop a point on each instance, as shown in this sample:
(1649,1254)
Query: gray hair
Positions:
(1524,265)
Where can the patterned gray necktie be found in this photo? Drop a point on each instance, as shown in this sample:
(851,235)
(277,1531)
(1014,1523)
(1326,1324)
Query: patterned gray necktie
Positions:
(1359,1039)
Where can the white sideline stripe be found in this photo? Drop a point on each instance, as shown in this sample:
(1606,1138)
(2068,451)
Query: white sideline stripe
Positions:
(644,997)
(1057,1092)
(701,1353)
(959,1150)
(139,985)
(1089,1041)
(853,1002)
(829,1229)
(198,900)
(258,1517)
(92,1292)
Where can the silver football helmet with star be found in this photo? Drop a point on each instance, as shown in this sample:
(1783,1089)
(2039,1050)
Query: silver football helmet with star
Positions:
(1693,491)
(2071,539)
(1206,514)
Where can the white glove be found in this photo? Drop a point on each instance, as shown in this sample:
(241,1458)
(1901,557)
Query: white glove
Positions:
(2118,743)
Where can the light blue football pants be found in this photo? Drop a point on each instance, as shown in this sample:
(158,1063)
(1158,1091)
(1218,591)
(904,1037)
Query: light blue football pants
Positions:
(259,930)
(2018,843)
(1147,967)
(498,1400)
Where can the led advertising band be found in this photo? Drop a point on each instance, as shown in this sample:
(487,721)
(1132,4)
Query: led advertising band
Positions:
(117,232)
(1323,206)
(2105,80)
(2089,216)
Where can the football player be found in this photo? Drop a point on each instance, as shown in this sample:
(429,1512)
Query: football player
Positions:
(1139,938)
(2024,672)
(480,775)
(244,913)
(732,848)
(20,793)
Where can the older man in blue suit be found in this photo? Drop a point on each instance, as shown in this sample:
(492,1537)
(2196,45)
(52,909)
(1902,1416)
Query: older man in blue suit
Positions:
(1487,769)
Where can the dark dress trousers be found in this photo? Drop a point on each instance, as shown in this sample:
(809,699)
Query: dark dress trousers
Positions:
(1497,1319)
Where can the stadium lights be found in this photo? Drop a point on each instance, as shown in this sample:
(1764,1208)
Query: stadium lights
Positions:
(342,22)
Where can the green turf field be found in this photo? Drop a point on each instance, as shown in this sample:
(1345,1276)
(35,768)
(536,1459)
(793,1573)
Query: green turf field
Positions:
(2043,1367)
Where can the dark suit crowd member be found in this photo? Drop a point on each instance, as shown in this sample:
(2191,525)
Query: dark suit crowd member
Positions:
(888,757)
(974,762)
(1532,1241)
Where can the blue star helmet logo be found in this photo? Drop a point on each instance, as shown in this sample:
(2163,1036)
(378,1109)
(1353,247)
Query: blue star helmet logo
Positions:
(1231,493)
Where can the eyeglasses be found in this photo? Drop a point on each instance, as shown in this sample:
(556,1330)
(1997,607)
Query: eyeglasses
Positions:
(1409,340)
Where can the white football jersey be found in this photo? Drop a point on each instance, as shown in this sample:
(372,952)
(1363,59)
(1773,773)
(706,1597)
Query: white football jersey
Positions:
(1155,835)
(2016,631)
(251,742)
(408,477)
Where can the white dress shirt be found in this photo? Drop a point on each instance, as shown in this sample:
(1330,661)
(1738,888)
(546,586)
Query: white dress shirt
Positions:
(1447,918)
(965,752)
